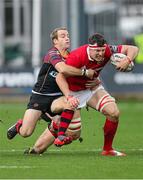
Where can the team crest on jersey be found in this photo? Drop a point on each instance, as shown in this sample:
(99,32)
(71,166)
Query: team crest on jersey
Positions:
(35,105)
(53,74)
(58,52)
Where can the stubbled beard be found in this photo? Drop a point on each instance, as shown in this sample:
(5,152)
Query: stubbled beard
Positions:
(100,61)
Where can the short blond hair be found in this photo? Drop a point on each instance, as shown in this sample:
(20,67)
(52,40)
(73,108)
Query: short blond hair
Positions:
(54,33)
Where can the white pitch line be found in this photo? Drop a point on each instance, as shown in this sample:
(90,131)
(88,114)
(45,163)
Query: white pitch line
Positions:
(52,150)
(16,167)
(68,150)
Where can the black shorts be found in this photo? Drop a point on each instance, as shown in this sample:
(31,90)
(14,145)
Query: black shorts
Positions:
(42,103)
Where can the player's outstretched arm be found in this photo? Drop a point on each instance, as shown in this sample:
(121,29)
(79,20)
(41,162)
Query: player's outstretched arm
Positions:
(130,51)
(73,71)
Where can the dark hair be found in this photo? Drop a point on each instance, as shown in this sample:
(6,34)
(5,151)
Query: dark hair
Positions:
(97,38)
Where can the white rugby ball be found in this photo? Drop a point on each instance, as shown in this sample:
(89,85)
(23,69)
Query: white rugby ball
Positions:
(117,57)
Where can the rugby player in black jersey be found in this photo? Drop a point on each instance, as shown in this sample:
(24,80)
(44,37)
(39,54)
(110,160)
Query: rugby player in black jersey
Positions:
(46,96)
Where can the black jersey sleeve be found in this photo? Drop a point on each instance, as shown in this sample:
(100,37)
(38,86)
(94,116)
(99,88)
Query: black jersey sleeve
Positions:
(53,57)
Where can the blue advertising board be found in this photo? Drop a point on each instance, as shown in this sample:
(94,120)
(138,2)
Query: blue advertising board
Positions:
(21,81)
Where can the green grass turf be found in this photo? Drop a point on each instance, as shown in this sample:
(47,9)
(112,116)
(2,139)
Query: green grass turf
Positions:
(78,160)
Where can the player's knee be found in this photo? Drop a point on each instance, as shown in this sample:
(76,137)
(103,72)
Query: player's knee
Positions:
(114,113)
(25,133)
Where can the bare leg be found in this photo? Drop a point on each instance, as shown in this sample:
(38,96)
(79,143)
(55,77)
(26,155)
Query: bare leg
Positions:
(44,141)
(25,126)
(30,119)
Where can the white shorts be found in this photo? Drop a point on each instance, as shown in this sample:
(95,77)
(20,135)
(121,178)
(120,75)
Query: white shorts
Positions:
(84,95)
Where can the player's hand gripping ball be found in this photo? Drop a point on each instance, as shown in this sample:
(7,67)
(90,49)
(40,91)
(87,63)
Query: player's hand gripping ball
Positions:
(117,57)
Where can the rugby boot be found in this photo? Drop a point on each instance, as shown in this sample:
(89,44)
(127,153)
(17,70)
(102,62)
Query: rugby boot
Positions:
(30,151)
(62,140)
(112,153)
(14,130)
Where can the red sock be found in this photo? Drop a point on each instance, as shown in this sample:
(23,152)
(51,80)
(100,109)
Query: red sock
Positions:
(110,129)
(66,118)
(54,129)
(19,124)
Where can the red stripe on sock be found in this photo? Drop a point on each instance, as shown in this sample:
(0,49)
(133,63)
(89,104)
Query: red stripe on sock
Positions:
(75,122)
(66,118)
(67,114)
(19,124)
(64,124)
(61,133)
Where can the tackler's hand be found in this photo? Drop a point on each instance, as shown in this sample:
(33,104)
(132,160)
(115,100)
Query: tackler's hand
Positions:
(93,83)
(88,73)
(73,101)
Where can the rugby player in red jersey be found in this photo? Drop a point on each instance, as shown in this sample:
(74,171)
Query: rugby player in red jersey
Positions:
(94,55)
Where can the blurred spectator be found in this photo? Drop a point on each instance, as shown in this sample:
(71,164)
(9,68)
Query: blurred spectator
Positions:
(138,40)
(14,56)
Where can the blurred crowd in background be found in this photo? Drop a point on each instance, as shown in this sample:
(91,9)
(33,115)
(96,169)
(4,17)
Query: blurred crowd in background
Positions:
(25,26)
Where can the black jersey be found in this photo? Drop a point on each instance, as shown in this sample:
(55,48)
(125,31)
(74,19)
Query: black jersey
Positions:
(46,83)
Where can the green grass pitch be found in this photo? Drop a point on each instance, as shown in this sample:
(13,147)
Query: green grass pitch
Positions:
(77,160)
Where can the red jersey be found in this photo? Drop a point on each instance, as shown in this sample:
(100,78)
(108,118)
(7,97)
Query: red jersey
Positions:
(79,58)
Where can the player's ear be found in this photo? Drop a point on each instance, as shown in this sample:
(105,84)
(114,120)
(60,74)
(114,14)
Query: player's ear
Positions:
(55,41)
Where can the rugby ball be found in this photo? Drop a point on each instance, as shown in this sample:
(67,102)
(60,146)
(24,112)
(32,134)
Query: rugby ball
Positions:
(117,57)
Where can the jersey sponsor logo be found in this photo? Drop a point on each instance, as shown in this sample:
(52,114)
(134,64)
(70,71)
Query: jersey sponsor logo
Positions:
(35,105)
(58,52)
(53,74)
